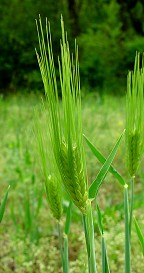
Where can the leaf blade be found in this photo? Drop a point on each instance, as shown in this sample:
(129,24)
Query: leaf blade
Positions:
(102,160)
(94,187)
(99,219)
(139,234)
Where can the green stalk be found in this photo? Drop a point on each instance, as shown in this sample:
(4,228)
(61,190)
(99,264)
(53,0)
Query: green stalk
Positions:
(91,237)
(61,247)
(66,232)
(131,205)
(105,264)
(103,255)
(87,240)
(127,231)
(66,269)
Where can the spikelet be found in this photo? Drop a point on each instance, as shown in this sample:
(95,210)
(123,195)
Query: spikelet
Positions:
(73,177)
(54,196)
(135,116)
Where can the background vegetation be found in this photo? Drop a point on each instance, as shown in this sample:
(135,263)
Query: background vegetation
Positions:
(108,33)
(28,234)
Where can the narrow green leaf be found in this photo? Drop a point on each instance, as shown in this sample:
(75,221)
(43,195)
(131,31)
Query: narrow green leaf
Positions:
(68,218)
(94,187)
(102,160)
(99,218)
(139,234)
(3,204)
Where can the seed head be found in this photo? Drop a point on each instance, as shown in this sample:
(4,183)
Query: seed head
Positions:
(72,173)
(52,179)
(135,116)
(64,124)
(54,196)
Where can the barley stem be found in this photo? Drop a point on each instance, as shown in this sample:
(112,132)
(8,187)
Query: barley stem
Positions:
(91,238)
(127,231)
(66,270)
(61,247)
(105,264)
(131,205)
(103,256)
(87,240)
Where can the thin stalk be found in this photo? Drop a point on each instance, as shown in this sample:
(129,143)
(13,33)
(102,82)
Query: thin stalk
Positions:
(66,270)
(61,247)
(103,256)
(105,265)
(91,238)
(131,205)
(127,231)
(87,240)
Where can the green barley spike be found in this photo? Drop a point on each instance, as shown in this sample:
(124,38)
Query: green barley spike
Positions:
(54,195)
(65,126)
(53,184)
(73,176)
(135,116)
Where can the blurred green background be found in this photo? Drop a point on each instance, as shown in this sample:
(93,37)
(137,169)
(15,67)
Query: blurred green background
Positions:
(108,33)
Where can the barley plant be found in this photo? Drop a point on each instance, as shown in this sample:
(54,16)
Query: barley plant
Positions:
(62,154)
(134,134)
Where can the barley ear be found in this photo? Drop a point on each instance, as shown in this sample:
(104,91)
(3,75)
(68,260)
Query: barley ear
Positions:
(53,183)
(73,177)
(54,195)
(134,153)
(135,116)
(65,128)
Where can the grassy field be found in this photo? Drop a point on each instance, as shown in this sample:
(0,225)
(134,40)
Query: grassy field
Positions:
(28,236)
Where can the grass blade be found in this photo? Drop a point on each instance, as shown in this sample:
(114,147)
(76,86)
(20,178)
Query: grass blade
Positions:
(94,187)
(139,234)
(3,205)
(102,160)
(99,218)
